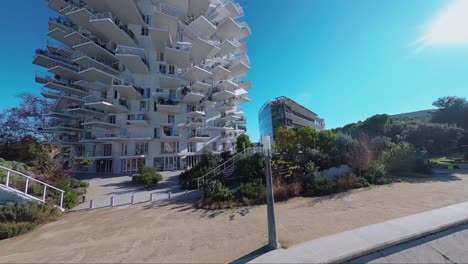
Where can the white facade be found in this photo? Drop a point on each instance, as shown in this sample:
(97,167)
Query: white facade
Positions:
(145,81)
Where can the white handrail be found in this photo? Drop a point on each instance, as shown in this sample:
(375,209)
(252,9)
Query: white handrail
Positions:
(225,165)
(29,178)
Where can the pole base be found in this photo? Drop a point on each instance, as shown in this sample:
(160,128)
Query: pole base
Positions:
(274,245)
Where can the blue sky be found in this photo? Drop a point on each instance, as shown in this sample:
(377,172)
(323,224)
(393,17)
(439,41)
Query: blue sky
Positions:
(344,59)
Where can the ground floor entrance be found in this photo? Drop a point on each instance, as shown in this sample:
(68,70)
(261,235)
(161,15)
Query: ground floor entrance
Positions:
(167,163)
(104,166)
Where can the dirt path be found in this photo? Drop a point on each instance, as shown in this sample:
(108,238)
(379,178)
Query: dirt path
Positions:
(179,233)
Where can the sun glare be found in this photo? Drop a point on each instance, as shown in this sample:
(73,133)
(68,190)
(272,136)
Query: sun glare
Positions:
(450,26)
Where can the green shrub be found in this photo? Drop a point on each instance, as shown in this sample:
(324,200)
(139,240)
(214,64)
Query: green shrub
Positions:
(250,168)
(253,190)
(217,192)
(376,174)
(311,173)
(16,219)
(403,157)
(147,176)
(29,212)
(324,186)
(8,230)
(71,199)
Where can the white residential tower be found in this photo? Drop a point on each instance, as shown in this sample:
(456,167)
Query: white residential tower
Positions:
(145,81)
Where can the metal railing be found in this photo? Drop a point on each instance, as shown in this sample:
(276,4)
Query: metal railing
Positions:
(166,9)
(226,165)
(9,184)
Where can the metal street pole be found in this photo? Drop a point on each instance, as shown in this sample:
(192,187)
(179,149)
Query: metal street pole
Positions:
(272,235)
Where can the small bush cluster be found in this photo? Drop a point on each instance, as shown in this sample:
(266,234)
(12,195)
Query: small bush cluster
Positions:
(147,176)
(16,219)
(402,157)
(217,192)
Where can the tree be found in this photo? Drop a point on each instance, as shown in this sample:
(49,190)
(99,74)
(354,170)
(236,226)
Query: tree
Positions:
(453,110)
(435,138)
(243,142)
(307,137)
(285,140)
(361,156)
(25,119)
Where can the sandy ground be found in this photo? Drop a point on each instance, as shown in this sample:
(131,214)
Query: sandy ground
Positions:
(180,233)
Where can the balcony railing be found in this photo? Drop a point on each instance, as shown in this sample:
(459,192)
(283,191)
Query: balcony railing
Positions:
(166,9)
(63,60)
(108,15)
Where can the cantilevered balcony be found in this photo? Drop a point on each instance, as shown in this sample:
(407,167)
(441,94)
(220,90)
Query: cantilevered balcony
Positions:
(106,105)
(49,59)
(221,73)
(170,135)
(244,32)
(88,44)
(228,85)
(229,117)
(201,49)
(82,111)
(202,25)
(193,97)
(198,137)
(100,123)
(138,120)
(196,73)
(235,9)
(79,14)
(160,37)
(106,24)
(47,93)
(59,84)
(221,95)
(243,98)
(228,46)
(129,91)
(57,5)
(228,29)
(133,58)
(245,85)
(200,86)
(63,127)
(239,68)
(95,86)
(168,106)
(224,107)
(198,8)
(93,70)
(194,123)
(60,27)
(178,55)
(126,10)
(196,113)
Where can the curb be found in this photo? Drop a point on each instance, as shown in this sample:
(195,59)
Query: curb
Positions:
(397,242)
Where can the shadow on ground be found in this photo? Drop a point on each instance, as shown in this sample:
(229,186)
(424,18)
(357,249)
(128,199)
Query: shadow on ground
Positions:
(252,255)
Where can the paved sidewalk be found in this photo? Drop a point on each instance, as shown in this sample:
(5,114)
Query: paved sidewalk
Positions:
(352,244)
(449,246)
(101,189)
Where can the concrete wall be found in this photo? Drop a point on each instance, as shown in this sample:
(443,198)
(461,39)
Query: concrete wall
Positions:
(11,196)
(335,172)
